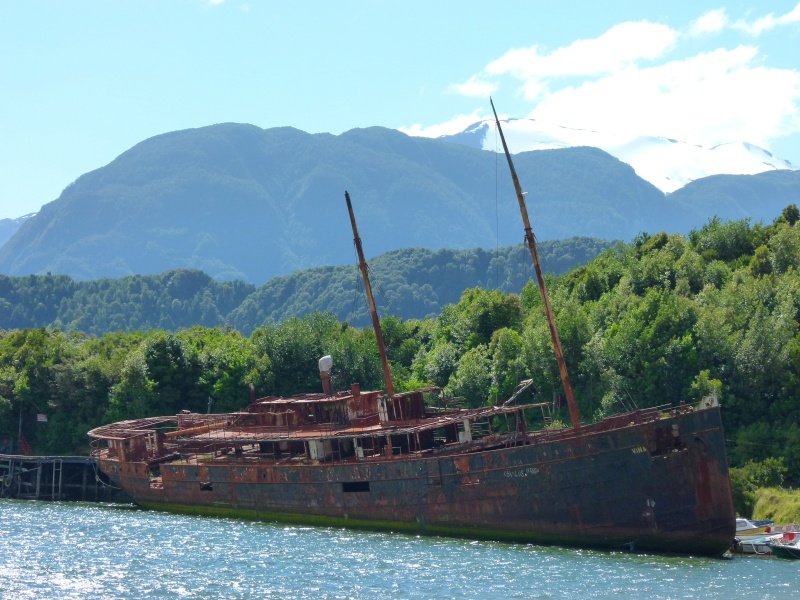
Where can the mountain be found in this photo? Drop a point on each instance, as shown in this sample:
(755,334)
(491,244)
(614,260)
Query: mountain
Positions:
(667,163)
(243,203)
(239,202)
(8,227)
(738,196)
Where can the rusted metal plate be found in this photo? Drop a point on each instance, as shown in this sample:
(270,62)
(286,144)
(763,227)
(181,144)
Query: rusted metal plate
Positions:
(615,488)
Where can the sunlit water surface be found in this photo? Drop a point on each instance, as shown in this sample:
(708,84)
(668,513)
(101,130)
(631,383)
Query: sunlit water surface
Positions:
(66,550)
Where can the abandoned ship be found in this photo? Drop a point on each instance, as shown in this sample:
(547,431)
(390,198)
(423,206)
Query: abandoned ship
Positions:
(654,479)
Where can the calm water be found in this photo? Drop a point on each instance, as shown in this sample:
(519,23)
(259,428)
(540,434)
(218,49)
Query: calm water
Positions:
(65,550)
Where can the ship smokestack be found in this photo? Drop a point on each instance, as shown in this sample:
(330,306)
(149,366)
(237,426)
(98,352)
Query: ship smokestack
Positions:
(325,365)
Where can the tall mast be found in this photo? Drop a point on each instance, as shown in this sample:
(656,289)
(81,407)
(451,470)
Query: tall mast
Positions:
(376,323)
(551,322)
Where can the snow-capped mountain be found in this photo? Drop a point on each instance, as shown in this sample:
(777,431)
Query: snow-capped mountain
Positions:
(666,163)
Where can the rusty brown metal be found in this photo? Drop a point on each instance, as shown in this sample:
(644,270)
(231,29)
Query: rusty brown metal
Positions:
(654,479)
(376,323)
(574,413)
(194,430)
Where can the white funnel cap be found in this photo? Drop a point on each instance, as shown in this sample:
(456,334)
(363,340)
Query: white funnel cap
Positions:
(325,364)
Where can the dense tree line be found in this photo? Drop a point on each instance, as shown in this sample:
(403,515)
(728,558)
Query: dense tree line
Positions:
(412,283)
(663,320)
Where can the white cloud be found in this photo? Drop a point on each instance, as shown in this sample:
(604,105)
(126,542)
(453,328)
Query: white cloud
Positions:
(768,22)
(717,20)
(475,87)
(454,125)
(623,82)
(619,47)
(708,99)
(713,21)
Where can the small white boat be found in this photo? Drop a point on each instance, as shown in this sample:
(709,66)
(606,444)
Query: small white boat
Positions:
(787,545)
(757,544)
(754,537)
(746,527)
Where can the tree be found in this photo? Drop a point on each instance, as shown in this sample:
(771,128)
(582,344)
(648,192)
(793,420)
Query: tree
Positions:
(472,378)
(507,363)
(725,240)
(294,349)
(791,214)
(437,364)
(705,386)
(784,248)
(29,359)
(754,475)
(228,365)
(356,360)
(477,315)
(760,263)
(133,396)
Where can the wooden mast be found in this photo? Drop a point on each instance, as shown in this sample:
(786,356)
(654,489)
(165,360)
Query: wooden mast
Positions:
(376,323)
(551,323)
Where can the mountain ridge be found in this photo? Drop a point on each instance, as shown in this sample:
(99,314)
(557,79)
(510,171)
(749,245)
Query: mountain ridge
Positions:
(240,202)
(667,163)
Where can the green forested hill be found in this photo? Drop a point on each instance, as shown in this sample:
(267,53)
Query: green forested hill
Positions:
(412,283)
(172,300)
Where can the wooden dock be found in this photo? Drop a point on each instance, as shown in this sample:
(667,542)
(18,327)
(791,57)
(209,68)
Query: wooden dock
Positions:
(54,478)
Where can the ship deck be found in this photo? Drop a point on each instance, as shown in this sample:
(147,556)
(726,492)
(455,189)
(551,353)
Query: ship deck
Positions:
(233,427)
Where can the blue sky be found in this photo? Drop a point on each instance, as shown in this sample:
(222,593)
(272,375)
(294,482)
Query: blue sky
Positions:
(83,81)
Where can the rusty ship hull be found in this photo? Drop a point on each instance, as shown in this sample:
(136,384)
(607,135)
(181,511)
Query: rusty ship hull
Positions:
(655,479)
(650,480)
